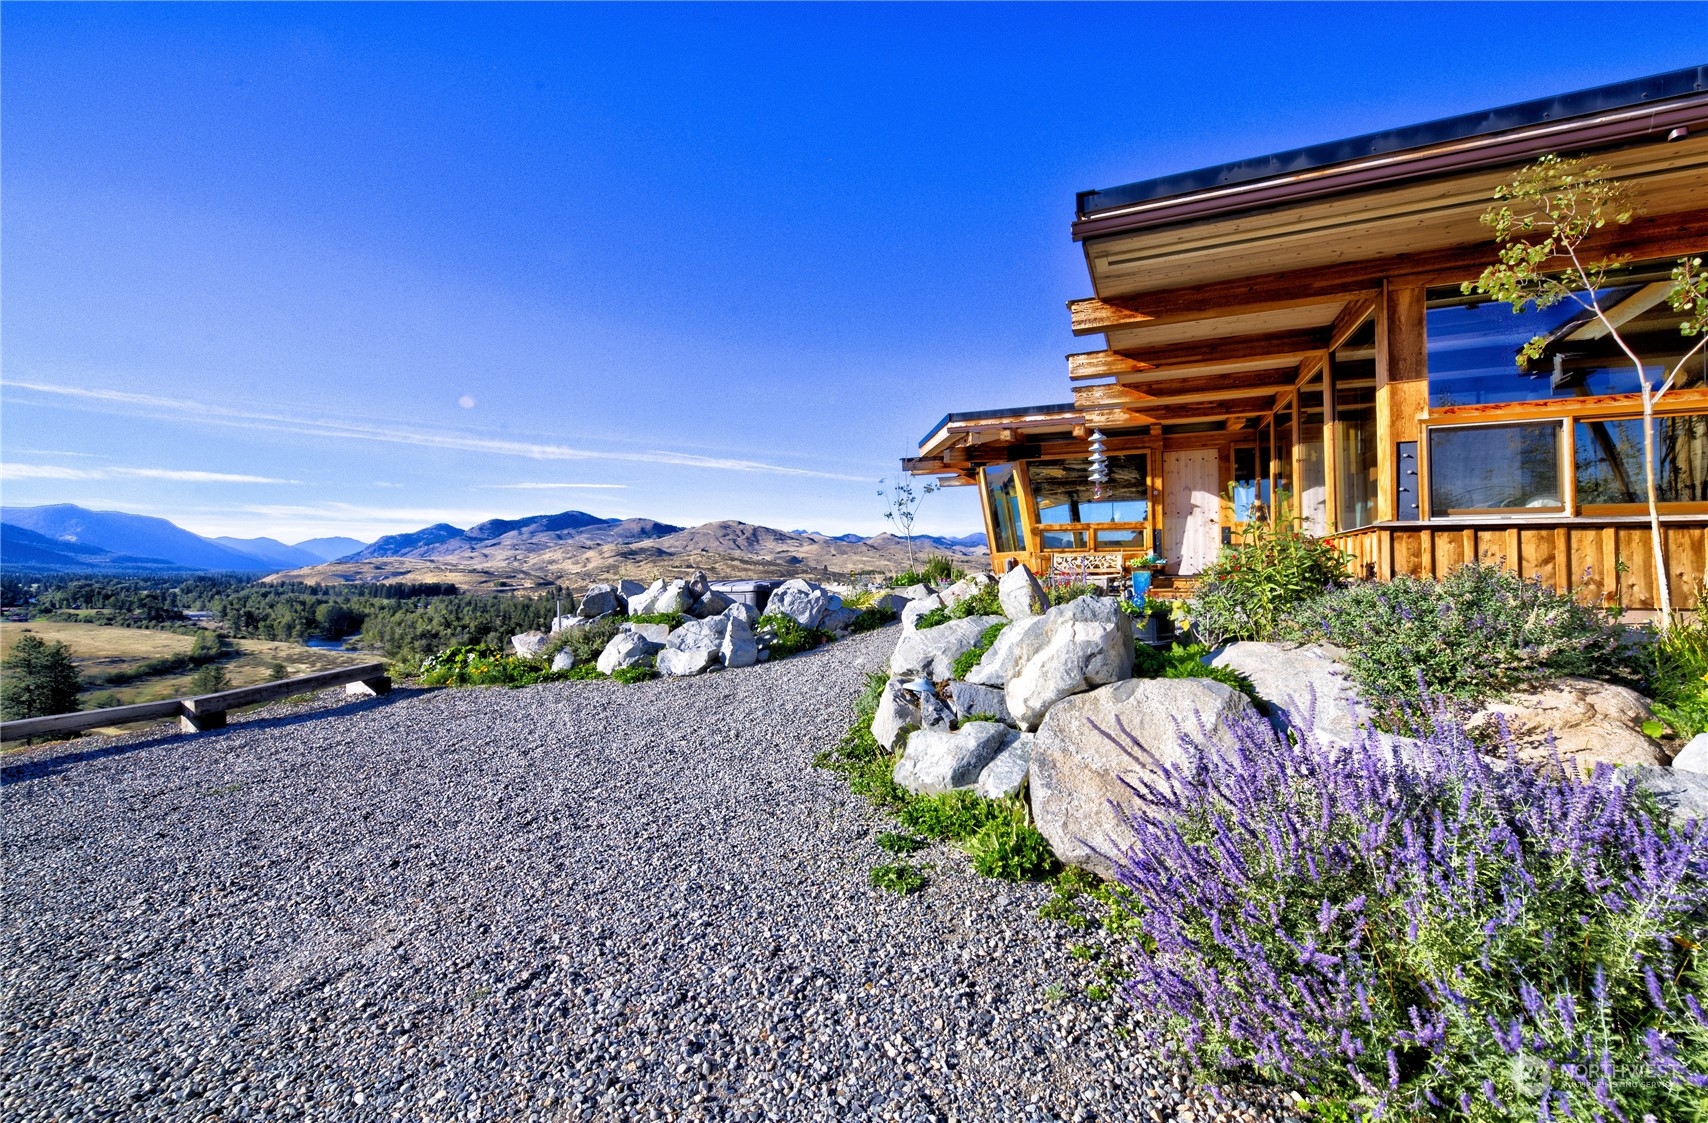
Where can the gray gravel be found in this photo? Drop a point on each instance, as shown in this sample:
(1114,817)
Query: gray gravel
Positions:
(576,900)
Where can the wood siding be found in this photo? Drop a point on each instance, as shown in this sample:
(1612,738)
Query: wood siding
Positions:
(1609,563)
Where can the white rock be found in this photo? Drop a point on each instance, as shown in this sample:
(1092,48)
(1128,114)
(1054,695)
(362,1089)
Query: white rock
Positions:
(529,644)
(627,590)
(913,610)
(598,600)
(1021,594)
(968,586)
(937,762)
(1694,756)
(932,652)
(711,604)
(1579,720)
(801,601)
(1682,794)
(1087,643)
(1075,775)
(968,698)
(738,648)
(694,647)
(746,611)
(560,623)
(563,661)
(901,711)
(890,601)
(1288,676)
(641,604)
(657,633)
(1014,645)
(838,619)
(626,649)
(1005,773)
(912,592)
(676,597)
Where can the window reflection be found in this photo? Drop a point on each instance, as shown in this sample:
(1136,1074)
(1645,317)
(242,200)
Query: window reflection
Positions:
(1479,468)
(1313,481)
(1610,460)
(1473,344)
(1065,494)
(1003,493)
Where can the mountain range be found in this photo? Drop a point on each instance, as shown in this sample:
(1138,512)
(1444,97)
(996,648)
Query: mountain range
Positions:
(566,547)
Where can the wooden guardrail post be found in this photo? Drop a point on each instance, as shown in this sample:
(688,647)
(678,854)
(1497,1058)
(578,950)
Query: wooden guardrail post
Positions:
(207,711)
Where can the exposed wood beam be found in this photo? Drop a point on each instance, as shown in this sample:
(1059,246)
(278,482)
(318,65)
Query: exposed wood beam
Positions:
(1650,236)
(1204,388)
(1351,318)
(1279,347)
(1102,364)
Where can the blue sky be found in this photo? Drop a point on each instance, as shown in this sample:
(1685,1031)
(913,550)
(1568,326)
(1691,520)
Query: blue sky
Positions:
(352,269)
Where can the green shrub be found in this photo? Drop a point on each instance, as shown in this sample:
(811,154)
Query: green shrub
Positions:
(953,817)
(967,660)
(940,569)
(931,619)
(897,843)
(899,878)
(1678,676)
(1185,661)
(673,620)
(1248,592)
(584,644)
(633,674)
(1478,634)
(908,577)
(870,619)
(986,602)
(1066,594)
(1010,848)
(788,637)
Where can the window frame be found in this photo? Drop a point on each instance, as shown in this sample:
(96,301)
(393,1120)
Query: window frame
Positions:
(1564,467)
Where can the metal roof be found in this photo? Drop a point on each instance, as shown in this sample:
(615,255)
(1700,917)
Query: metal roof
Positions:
(1600,99)
(992,414)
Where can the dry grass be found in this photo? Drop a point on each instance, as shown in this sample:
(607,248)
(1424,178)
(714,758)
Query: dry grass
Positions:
(102,649)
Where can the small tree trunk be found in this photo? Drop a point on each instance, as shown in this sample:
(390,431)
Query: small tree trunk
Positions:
(1662,588)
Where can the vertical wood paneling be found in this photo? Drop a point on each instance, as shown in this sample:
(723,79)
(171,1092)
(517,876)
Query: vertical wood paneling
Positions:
(1562,558)
(1536,552)
(1637,581)
(1449,552)
(1589,570)
(1685,550)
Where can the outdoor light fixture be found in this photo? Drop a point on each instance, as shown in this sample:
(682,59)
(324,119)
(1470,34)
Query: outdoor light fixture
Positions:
(1099,474)
(921,686)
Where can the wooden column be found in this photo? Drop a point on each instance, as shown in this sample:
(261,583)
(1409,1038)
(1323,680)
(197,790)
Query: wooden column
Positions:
(1402,386)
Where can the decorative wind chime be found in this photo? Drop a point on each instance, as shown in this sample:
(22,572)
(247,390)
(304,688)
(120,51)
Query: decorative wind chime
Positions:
(1099,474)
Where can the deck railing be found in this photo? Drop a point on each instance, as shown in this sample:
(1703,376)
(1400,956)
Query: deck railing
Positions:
(204,711)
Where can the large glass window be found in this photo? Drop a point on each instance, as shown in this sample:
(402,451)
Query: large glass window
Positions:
(1476,469)
(1355,453)
(1284,453)
(1002,492)
(1474,343)
(1065,495)
(1313,478)
(1610,460)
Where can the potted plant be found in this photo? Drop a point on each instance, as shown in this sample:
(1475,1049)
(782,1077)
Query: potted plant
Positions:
(1144,569)
(1153,622)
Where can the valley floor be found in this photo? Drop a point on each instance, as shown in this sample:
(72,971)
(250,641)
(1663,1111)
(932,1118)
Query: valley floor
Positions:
(575,900)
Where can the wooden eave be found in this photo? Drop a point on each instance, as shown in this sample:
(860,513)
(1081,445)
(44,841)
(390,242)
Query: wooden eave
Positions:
(1180,245)
(1012,429)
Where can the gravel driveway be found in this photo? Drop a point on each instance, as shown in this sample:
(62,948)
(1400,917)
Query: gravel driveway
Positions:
(576,900)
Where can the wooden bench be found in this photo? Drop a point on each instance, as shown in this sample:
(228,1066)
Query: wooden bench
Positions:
(206,711)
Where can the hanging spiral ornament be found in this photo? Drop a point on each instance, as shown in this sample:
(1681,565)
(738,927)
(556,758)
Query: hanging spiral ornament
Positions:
(1099,474)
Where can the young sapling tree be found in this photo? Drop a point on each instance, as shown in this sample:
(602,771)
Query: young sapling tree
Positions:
(1545,220)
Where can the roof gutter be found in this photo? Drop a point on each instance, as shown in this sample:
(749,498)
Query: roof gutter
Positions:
(1652,122)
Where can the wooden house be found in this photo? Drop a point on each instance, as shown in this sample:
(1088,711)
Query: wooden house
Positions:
(1293,326)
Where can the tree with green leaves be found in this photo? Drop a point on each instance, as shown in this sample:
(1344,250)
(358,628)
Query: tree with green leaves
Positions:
(1544,221)
(37,679)
(901,503)
(210,679)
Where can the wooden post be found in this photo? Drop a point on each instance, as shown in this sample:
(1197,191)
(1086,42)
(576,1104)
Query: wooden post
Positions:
(1402,386)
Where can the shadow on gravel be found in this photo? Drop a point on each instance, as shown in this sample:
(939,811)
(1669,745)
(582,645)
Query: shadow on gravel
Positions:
(40,767)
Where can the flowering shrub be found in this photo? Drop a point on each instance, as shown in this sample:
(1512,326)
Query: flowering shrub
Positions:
(1478,633)
(787,636)
(478,665)
(1249,590)
(1433,936)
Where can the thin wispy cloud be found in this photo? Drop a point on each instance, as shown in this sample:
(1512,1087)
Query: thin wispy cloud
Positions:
(58,472)
(550,487)
(210,414)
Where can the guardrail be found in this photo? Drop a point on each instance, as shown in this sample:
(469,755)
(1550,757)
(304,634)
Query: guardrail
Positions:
(205,711)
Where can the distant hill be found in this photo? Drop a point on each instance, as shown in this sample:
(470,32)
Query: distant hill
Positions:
(140,537)
(276,554)
(326,549)
(402,545)
(25,549)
